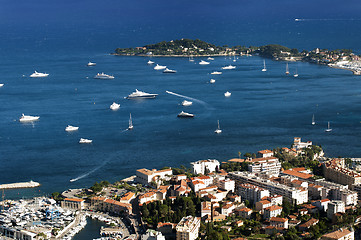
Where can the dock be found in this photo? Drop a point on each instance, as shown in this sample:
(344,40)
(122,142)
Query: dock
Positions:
(30,184)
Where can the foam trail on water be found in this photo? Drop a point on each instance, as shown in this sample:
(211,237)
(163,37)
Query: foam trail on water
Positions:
(190,98)
(88,173)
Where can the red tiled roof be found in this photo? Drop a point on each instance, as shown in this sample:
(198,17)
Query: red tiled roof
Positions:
(278,219)
(74,200)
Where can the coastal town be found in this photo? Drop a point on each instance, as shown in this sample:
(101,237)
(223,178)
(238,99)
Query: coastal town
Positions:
(340,59)
(286,193)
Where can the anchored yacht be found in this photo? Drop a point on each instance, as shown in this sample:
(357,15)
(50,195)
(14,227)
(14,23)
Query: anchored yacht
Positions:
(227,94)
(229,67)
(114,106)
(150,62)
(1,84)
(90,64)
(38,74)
(103,76)
(202,62)
(185,115)
(159,67)
(186,103)
(140,94)
(28,118)
(84,140)
(70,128)
(216,73)
(169,71)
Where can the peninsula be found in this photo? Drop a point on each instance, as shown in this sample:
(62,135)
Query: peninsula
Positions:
(340,58)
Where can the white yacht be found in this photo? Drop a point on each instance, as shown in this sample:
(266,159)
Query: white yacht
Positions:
(38,74)
(130,122)
(296,74)
(84,140)
(313,120)
(328,128)
(159,67)
(202,62)
(229,67)
(218,130)
(185,115)
(70,128)
(264,66)
(103,76)
(216,73)
(186,103)
(287,71)
(150,62)
(91,64)
(114,106)
(28,118)
(140,94)
(210,59)
(227,94)
(212,81)
(1,84)
(169,71)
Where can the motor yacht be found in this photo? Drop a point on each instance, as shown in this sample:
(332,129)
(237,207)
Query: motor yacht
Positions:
(159,67)
(84,140)
(216,73)
(169,71)
(212,81)
(70,128)
(103,76)
(227,94)
(186,103)
(28,118)
(185,115)
(140,94)
(150,62)
(210,59)
(202,62)
(1,84)
(114,106)
(90,64)
(229,67)
(38,74)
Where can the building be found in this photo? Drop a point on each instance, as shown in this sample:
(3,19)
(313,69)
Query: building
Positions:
(188,228)
(228,209)
(145,176)
(205,179)
(305,226)
(341,234)
(73,203)
(129,196)
(279,222)
(298,174)
(268,165)
(245,213)
(109,205)
(227,184)
(274,199)
(251,192)
(335,207)
(336,171)
(272,211)
(264,153)
(261,205)
(322,204)
(206,209)
(298,144)
(152,235)
(205,166)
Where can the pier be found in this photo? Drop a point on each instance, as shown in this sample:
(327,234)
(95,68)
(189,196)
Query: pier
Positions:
(30,184)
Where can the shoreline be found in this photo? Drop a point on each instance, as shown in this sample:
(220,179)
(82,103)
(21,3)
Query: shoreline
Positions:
(186,56)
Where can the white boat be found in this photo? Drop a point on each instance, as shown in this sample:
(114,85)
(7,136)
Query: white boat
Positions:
(186,103)
(140,94)
(191,59)
(287,71)
(84,140)
(114,106)
(150,62)
(130,122)
(1,84)
(185,115)
(212,81)
(234,59)
(90,64)
(159,67)
(37,74)
(70,128)
(229,67)
(216,73)
(313,120)
(28,118)
(103,76)
(218,130)
(328,128)
(202,62)
(227,94)
(296,74)
(264,66)
(210,59)
(169,71)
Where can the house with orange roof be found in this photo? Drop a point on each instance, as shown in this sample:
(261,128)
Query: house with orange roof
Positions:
(110,205)
(314,191)
(322,204)
(245,213)
(181,189)
(228,208)
(207,180)
(340,234)
(264,153)
(274,199)
(206,209)
(129,196)
(227,184)
(73,203)
(305,226)
(261,205)
(293,173)
(145,176)
(272,211)
(279,222)
(197,184)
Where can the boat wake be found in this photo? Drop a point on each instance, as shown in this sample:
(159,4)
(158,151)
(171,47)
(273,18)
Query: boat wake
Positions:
(189,98)
(124,130)
(88,173)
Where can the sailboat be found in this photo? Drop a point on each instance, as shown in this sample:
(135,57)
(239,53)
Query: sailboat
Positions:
(191,59)
(296,74)
(130,122)
(328,128)
(234,59)
(313,120)
(264,66)
(218,130)
(287,71)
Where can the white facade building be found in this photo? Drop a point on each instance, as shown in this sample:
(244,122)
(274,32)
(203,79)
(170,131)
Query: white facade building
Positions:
(188,228)
(227,184)
(203,166)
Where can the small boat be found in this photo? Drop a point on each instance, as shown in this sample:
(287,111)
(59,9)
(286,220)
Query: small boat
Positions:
(84,140)
(186,103)
(1,84)
(169,71)
(28,118)
(191,59)
(114,106)
(159,67)
(218,130)
(296,74)
(212,81)
(234,59)
(264,66)
(229,67)
(227,94)
(103,76)
(140,94)
(130,122)
(91,64)
(328,128)
(210,59)
(70,128)
(185,115)
(202,62)
(313,120)
(216,73)
(150,62)
(287,71)
(38,74)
